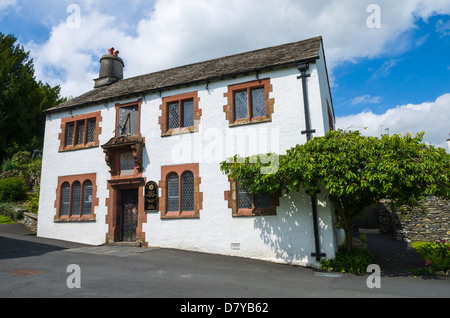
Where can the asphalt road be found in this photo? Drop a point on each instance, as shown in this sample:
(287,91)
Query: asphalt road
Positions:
(32,267)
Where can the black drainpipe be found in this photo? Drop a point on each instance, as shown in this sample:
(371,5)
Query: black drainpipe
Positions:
(303,68)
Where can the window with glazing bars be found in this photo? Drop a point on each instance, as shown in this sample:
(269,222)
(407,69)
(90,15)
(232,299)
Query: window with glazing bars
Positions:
(87,197)
(180,190)
(187,189)
(65,199)
(80,132)
(173,193)
(249,103)
(76,200)
(247,200)
(180,114)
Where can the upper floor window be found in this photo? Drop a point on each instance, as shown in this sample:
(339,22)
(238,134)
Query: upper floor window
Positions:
(128,119)
(249,102)
(80,132)
(180,114)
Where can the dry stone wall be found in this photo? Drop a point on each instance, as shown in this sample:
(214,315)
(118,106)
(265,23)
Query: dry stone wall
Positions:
(429,226)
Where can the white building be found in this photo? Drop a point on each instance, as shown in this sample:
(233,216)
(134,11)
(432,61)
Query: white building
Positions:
(106,152)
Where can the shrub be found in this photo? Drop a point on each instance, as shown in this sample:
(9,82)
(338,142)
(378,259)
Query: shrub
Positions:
(7,210)
(436,257)
(12,189)
(355,262)
(33,202)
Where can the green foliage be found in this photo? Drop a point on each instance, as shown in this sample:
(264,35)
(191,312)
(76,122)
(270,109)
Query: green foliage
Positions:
(22,100)
(7,210)
(363,238)
(436,257)
(5,220)
(23,165)
(356,172)
(33,202)
(12,189)
(355,262)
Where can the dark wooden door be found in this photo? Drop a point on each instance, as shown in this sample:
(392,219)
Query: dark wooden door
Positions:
(129,215)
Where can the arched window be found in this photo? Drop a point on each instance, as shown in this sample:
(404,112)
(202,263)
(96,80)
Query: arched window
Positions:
(65,198)
(173,193)
(87,197)
(187,191)
(180,191)
(76,198)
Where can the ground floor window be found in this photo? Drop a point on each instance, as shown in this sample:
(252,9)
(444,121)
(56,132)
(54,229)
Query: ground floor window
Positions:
(76,198)
(180,191)
(244,203)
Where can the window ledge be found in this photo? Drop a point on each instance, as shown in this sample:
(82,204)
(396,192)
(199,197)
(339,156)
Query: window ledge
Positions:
(79,147)
(256,120)
(179,131)
(75,219)
(255,212)
(182,215)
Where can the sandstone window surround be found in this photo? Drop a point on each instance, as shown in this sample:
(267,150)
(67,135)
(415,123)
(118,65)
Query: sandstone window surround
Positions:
(80,132)
(249,103)
(181,114)
(180,192)
(76,198)
(243,203)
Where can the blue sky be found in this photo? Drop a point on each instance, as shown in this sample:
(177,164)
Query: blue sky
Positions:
(419,74)
(393,77)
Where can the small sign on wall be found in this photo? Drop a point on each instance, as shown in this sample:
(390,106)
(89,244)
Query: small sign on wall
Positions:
(151,197)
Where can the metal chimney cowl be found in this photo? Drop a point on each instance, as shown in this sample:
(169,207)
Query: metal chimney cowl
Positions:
(111,69)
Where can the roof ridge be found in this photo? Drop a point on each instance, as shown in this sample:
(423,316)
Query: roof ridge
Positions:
(188,74)
(319,37)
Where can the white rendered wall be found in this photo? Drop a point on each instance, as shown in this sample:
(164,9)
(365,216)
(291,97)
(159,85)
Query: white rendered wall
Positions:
(285,237)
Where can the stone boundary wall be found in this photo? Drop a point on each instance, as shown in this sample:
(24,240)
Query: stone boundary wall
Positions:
(30,221)
(431,226)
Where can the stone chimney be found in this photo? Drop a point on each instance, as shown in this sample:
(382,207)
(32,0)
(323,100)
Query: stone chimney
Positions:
(111,69)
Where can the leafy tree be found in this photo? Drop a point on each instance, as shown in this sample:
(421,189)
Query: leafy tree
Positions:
(354,170)
(22,100)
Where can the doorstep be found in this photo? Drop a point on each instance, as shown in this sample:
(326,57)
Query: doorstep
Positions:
(126,244)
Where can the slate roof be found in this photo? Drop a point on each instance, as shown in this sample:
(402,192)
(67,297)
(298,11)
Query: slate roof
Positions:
(215,69)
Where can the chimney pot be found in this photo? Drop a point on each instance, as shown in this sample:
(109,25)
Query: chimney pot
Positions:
(111,69)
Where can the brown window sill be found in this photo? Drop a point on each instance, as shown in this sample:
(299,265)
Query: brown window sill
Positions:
(79,147)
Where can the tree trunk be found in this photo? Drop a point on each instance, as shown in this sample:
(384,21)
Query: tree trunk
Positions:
(345,222)
(348,236)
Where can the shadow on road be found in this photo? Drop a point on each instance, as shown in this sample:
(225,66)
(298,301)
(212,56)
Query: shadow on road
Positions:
(394,258)
(12,248)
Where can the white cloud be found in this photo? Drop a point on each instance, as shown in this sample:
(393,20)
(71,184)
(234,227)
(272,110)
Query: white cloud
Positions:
(443,28)
(7,3)
(176,32)
(431,117)
(366,99)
